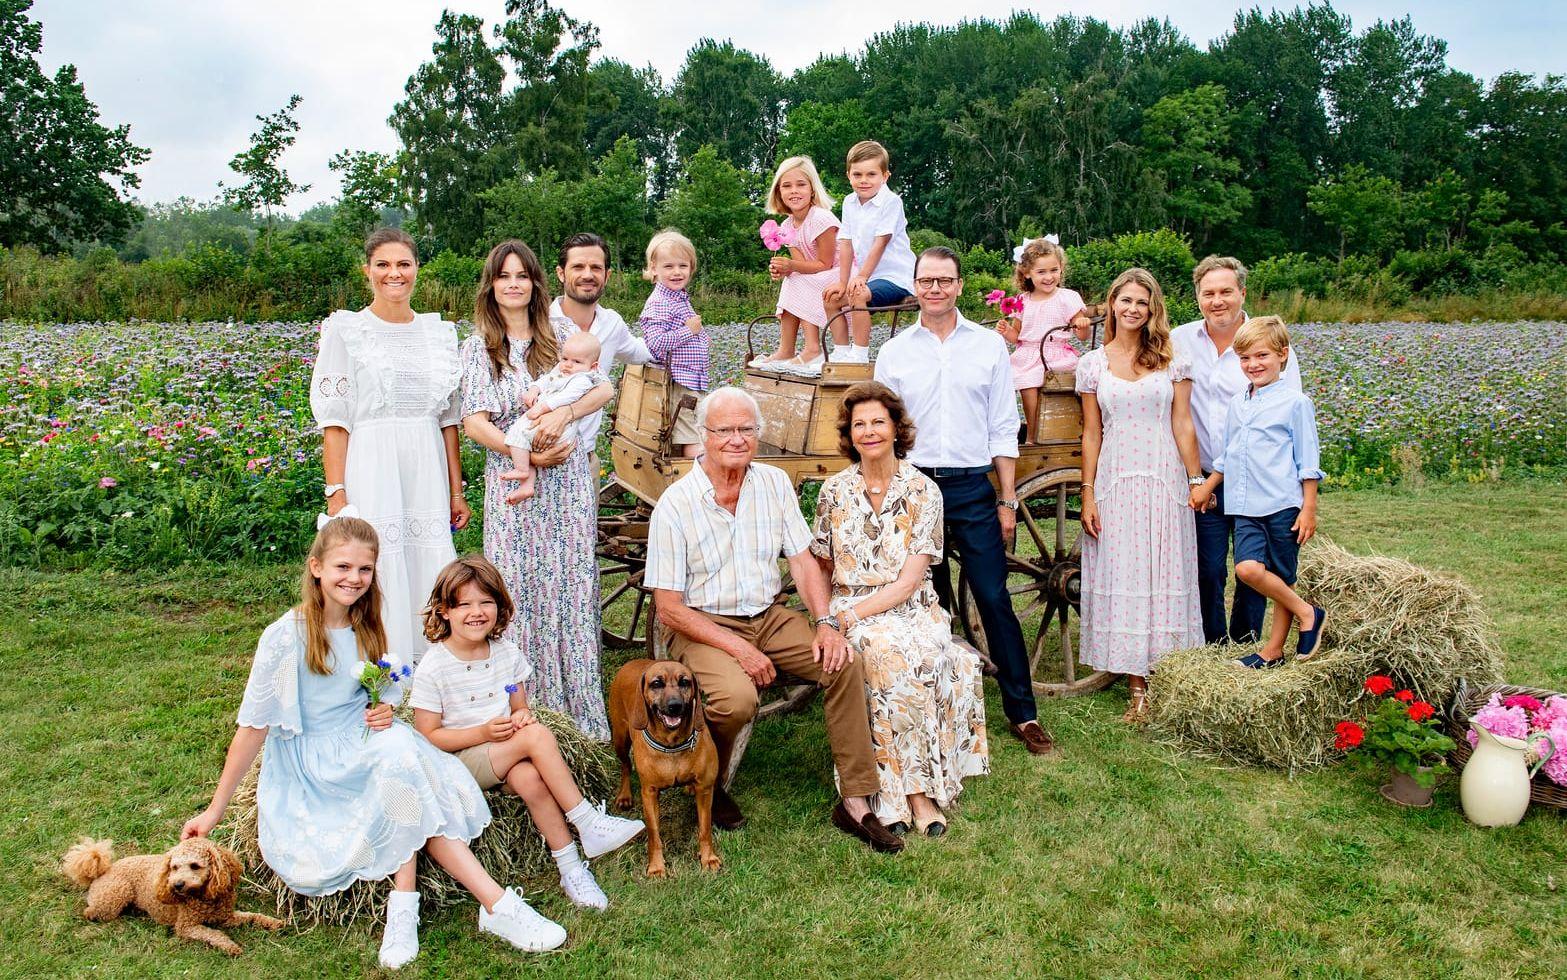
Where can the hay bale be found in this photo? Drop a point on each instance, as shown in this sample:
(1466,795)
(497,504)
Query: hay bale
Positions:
(1386,616)
(510,849)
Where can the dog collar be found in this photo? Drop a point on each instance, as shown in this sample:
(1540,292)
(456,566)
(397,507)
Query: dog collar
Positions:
(685,746)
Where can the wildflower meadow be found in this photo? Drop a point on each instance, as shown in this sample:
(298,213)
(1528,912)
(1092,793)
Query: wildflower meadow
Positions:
(141,443)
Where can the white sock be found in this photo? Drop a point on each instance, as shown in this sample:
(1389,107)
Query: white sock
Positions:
(860,351)
(567,858)
(401,899)
(580,812)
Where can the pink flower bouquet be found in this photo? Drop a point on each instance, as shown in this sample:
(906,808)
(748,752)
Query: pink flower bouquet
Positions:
(1528,718)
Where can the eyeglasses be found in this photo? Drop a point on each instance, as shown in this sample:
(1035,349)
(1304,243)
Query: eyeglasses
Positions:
(730,431)
(930,282)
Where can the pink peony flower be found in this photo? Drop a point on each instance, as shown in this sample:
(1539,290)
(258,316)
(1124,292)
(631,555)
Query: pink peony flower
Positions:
(108,483)
(995,296)
(1523,701)
(1555,767)
(1498,720)
(1552,713)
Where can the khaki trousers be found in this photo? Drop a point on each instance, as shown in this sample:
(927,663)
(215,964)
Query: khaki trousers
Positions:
(730,696)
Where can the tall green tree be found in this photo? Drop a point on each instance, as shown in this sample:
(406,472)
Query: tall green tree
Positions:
(64,176)
(267,185)
(730,99)
(369,189)
(1187,138)
(712,206)
(549,53)
(1365,210)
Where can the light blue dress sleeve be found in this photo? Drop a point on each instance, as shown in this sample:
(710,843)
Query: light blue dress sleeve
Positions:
(271,698)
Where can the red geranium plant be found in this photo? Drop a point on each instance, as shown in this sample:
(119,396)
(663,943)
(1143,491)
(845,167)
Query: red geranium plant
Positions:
(1401,731)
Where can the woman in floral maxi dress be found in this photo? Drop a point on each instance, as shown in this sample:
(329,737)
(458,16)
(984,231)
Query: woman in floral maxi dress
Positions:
(878,528)
(544,547)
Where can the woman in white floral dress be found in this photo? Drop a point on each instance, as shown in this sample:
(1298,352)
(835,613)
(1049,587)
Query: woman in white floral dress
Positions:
(384,392)
(544,548)
(878,528)
(1139,455)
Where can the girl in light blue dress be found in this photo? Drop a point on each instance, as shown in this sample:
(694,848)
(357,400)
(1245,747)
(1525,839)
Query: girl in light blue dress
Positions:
(346,793)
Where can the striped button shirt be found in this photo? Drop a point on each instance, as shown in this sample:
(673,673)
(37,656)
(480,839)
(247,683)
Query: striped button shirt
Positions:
(725,564)
(663,323)
(466,693)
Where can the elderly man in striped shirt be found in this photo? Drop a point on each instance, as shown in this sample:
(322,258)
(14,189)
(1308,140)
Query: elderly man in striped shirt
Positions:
(713,548)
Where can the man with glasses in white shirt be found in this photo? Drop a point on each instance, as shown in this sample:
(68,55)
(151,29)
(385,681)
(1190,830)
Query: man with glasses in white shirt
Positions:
(1220,285)
(956,379)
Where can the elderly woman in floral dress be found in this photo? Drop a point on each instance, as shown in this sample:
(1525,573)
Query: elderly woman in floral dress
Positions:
(544,547)
(878,528)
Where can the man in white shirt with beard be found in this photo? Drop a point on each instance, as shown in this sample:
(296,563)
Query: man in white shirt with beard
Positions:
(1220,285)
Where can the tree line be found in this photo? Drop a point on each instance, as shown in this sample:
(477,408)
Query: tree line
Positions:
(1294,135)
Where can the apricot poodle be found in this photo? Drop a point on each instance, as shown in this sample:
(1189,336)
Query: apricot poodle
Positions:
(189,888)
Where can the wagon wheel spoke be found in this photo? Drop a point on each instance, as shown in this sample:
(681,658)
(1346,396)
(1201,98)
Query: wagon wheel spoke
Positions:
(1061,519)
(1041,638)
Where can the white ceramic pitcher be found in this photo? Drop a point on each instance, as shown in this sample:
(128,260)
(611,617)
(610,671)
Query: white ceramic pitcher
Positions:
(1495,785)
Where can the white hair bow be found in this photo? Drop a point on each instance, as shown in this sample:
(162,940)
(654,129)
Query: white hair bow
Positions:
(349,510)
(1017,253)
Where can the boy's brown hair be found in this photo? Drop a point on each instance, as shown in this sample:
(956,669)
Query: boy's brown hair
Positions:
(1263,331)
(469,568)
(869,150)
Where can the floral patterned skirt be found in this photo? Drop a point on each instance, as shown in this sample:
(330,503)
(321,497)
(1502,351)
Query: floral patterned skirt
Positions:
(927,705)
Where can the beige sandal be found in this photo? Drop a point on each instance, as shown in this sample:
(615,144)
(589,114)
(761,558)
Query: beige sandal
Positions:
(1137,711)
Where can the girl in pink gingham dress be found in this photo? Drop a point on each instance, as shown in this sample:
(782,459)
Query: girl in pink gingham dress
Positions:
(1041,266)
(807,271)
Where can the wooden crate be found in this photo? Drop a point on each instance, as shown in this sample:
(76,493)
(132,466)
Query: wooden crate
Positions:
(640,413)
(1060,419)
(786,408)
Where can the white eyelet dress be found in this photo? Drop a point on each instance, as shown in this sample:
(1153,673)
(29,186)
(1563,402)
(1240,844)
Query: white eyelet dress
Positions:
(393,386)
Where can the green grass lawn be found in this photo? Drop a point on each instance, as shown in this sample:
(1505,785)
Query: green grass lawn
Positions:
(1119,858)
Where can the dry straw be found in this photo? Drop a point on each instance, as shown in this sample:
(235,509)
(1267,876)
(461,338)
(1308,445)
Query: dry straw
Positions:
(1387,616)
(510,848)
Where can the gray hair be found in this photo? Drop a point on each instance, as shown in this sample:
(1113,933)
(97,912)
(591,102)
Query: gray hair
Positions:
(727,393)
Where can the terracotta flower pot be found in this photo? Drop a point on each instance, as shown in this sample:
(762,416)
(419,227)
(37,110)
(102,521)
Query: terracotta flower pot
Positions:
(1404,791)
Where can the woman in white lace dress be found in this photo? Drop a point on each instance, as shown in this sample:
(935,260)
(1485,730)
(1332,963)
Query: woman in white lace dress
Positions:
(1139,456)
(384,392)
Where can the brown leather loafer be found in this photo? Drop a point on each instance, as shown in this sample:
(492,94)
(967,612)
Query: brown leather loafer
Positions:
(726,813)
(867,829)
(1035,738)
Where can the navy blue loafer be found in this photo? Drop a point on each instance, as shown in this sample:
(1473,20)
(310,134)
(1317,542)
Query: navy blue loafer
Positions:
(1311,640)
(1256,661)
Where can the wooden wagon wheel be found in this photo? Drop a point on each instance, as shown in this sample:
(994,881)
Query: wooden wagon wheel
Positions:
(1044,574)
(625,607)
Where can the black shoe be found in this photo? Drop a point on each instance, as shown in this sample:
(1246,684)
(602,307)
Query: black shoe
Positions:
(900,828)
(726,813)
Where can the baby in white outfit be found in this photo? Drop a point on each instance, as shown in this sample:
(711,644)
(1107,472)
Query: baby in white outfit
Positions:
(572,377)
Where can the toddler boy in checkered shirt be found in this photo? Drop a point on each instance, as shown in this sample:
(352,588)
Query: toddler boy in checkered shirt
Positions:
(674,332)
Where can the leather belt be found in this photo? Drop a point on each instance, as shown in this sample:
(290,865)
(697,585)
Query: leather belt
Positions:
(939,472)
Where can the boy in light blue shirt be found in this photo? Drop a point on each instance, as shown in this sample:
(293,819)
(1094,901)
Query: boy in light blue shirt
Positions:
(1270,466)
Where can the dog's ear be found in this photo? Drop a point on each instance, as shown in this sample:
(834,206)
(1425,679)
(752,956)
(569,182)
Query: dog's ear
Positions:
(698,709)
(639,718)
(223,871)
(161,888)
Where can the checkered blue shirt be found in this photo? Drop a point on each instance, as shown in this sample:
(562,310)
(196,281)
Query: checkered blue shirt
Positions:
(663,323)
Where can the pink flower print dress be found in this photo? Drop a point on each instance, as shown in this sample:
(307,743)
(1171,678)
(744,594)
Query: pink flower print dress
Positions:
(1039,318)
(1140,575)
(801,293)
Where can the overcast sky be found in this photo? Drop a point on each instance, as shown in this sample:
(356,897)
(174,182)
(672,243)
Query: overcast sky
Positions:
(190,77)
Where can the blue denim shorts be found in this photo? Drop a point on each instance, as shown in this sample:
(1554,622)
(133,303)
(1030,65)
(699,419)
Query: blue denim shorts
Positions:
(887,293)
(1269,540)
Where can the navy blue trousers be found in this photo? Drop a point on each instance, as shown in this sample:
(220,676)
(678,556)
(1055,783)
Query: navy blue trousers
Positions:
(1214,532)
(974,538)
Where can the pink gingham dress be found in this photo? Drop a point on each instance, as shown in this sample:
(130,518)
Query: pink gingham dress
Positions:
(1039,318)
(801,293)
(1140,574)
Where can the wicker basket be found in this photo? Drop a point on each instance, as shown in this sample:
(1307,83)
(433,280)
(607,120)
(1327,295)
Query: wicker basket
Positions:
(1469,700)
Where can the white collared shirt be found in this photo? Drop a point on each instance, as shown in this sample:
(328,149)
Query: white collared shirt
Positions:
(723,563)
(1216,379)
(614,337)
(881,215)
(959,393)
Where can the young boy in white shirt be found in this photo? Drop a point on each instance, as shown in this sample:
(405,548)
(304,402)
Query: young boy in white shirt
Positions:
(875,260)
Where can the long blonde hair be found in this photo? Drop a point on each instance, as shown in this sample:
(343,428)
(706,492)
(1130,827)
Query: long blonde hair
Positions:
(819,196)
(364,615)
(543,352)
(1154,350)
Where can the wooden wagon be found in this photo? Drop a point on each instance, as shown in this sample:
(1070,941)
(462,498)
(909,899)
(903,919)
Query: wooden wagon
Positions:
(800,436)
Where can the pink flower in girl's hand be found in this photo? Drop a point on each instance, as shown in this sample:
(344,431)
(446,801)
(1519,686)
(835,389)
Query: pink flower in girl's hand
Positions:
(776,236)
(1011,305)
(995,296)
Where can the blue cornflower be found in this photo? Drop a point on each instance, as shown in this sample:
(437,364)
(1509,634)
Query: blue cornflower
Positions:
(383,664)
(511,689)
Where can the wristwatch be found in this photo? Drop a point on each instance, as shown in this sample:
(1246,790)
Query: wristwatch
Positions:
(1011,505)
(829,621)
(1195,481)
(332,488)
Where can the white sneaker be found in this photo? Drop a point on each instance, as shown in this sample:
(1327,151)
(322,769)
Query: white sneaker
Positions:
(765,362)
(841,354)
(400,941)
(805,369)
(602,833)
(582,888)
(516,922)
(858,355)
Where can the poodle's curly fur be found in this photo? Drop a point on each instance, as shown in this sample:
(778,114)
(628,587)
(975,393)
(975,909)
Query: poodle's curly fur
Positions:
(189,888)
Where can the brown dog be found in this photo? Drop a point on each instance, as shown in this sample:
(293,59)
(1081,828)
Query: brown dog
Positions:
(656,720)
(189,888)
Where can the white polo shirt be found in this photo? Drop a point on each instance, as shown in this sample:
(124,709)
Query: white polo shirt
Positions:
(614,337)
(881,215)
(959,393)
(1216,379)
